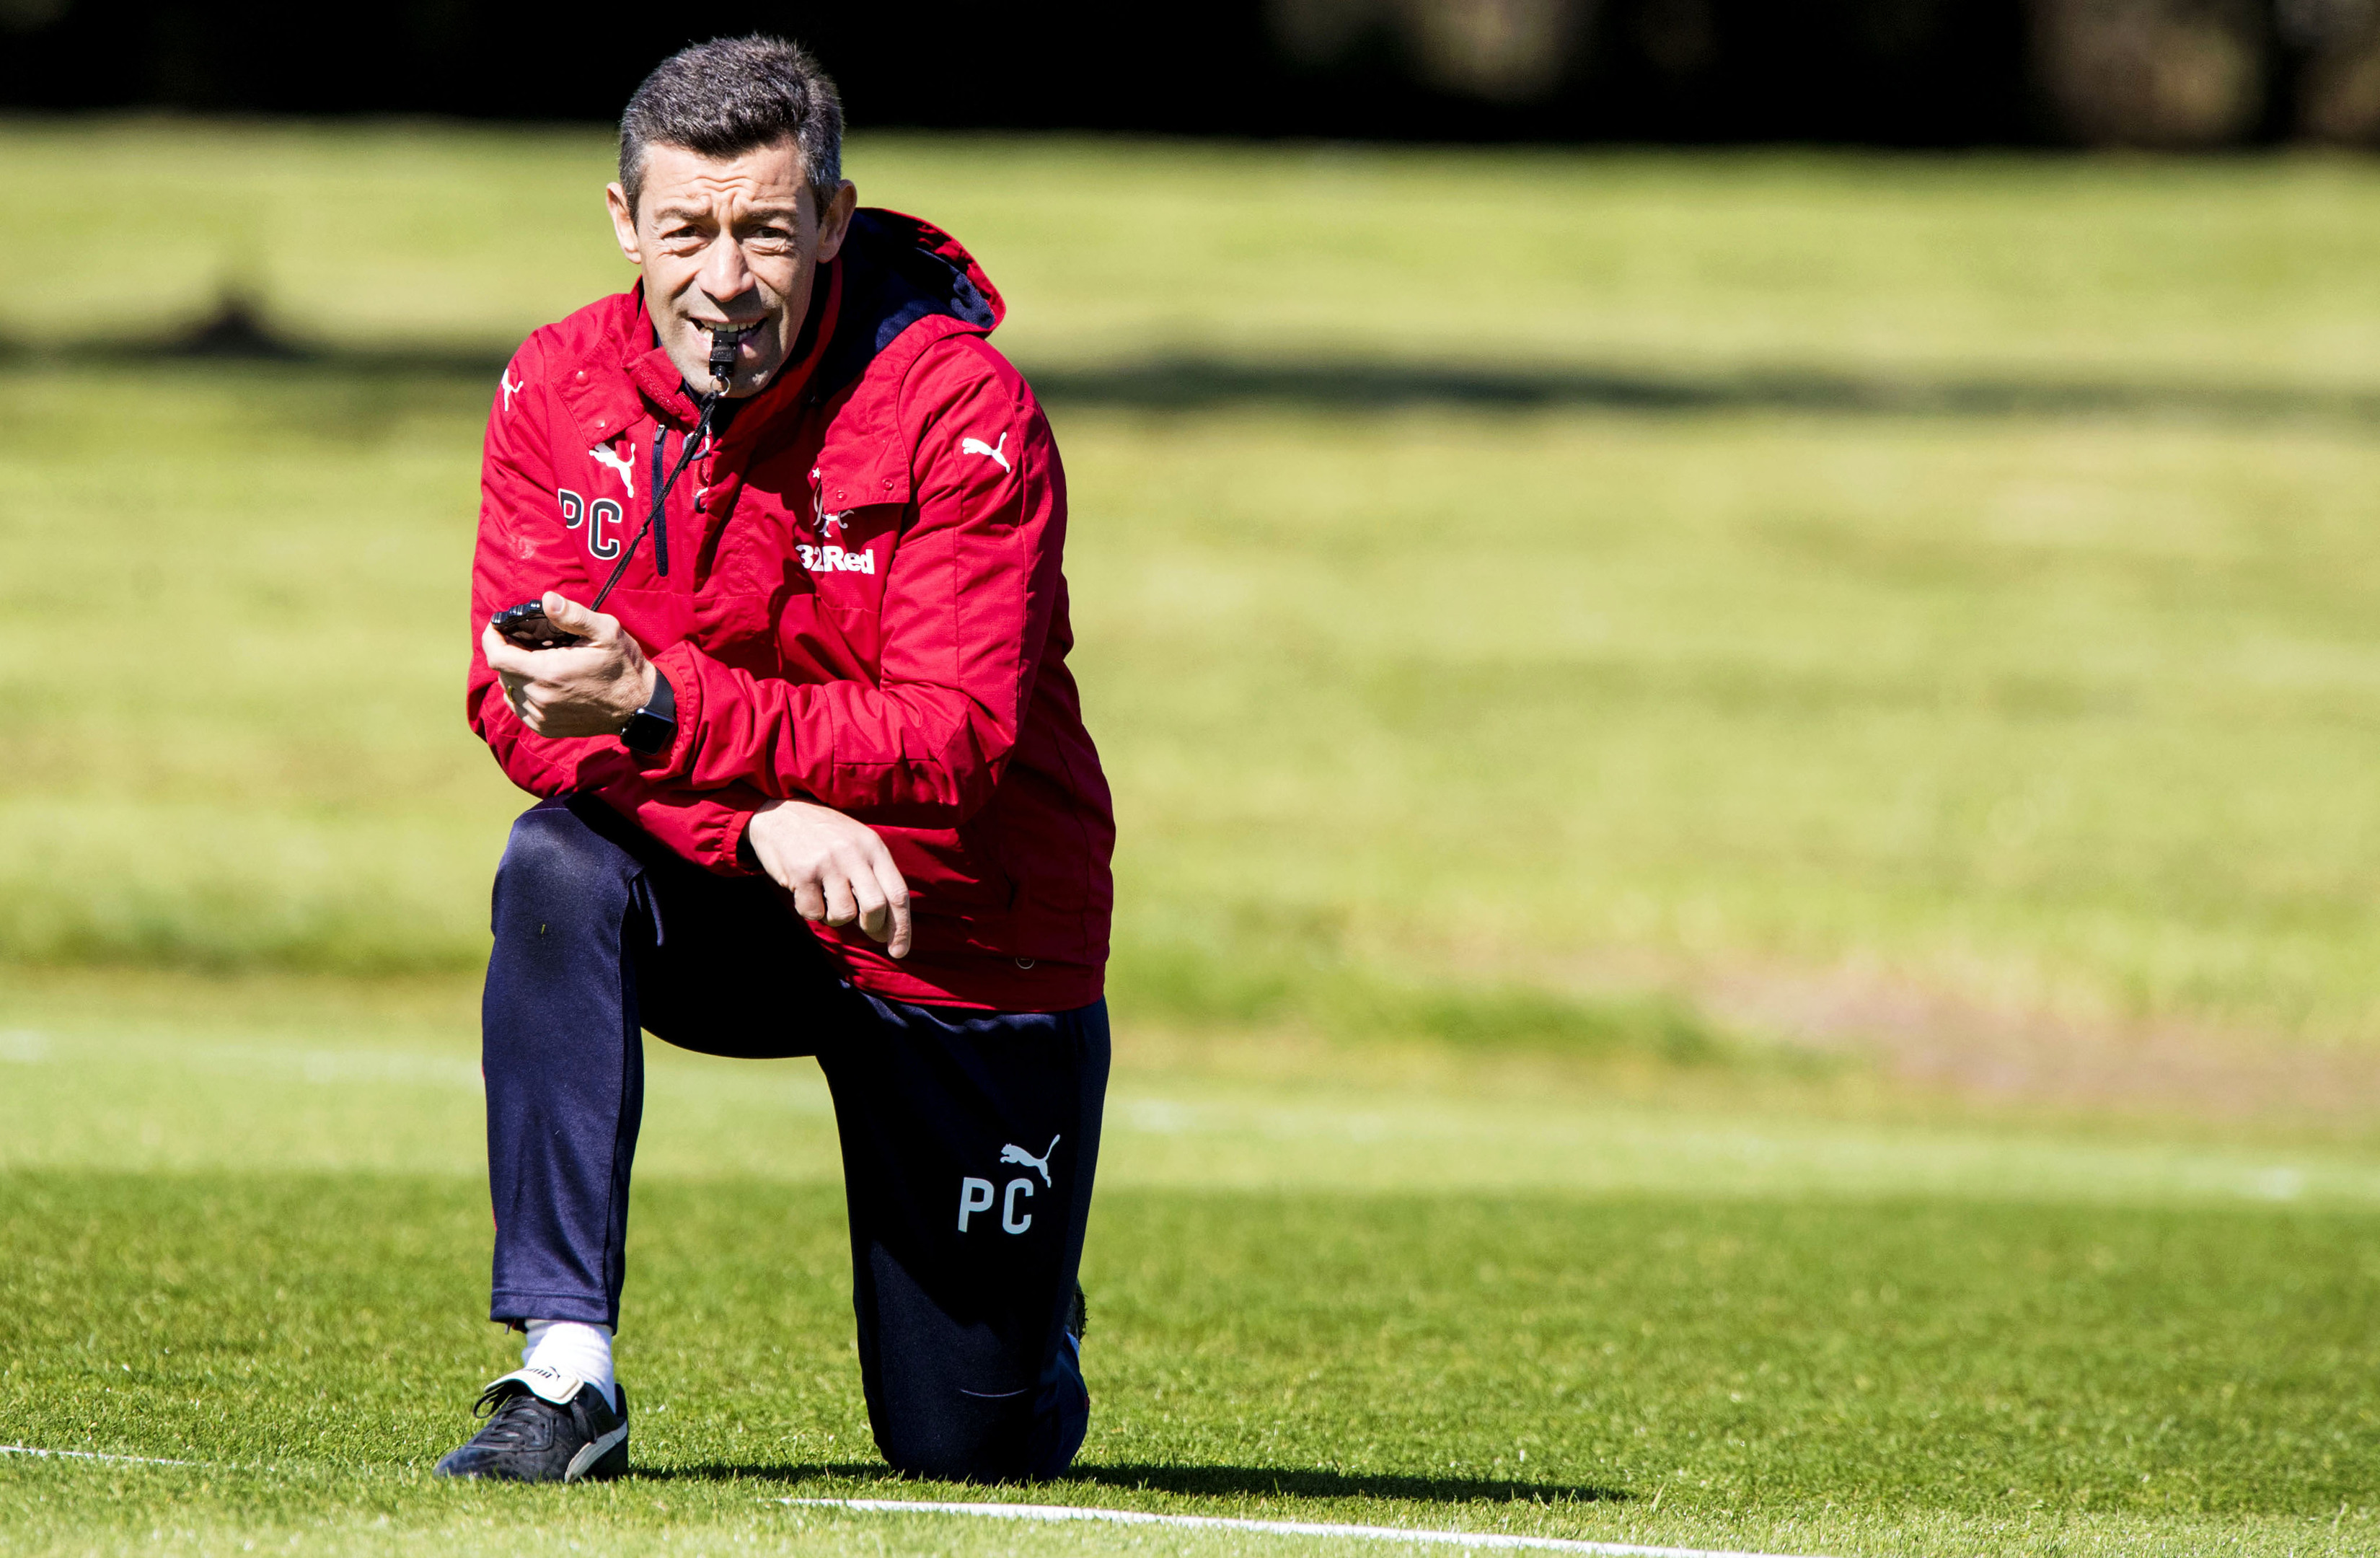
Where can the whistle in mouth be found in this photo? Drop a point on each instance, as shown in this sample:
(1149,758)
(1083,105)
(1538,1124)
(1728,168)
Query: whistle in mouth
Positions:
(723,355)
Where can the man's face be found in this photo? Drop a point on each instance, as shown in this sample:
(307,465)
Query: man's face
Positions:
(728,241)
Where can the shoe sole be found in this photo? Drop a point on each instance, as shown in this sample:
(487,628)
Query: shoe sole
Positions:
(588,1465)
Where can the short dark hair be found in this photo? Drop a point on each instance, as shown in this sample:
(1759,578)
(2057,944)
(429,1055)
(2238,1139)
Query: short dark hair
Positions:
(733,95)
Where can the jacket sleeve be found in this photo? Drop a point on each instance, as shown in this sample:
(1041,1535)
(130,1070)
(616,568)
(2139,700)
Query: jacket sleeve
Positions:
(525,548)
(968,599)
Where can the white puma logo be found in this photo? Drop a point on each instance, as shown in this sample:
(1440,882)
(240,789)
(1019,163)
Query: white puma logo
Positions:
(605,455)
(978,447)
(1012,1153)
(505,379)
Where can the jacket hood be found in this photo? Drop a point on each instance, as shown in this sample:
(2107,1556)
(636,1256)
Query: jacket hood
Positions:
(896,270)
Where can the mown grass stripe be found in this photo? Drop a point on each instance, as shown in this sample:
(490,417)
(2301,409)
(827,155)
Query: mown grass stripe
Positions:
(87,1455)
(1059,1512)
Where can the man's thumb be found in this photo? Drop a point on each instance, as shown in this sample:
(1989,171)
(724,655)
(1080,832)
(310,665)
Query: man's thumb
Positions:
(568,614)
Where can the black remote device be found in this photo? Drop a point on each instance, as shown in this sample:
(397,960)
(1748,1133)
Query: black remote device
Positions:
(527,625)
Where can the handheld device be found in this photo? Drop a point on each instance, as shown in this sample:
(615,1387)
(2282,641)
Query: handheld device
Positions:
(527,624)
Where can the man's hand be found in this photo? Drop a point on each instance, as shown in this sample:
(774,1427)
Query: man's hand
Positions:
(586,689)
(837,870)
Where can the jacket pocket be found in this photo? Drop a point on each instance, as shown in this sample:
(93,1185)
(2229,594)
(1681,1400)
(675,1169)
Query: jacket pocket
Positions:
(950,871)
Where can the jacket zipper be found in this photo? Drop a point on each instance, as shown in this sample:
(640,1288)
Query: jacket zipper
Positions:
(661,520)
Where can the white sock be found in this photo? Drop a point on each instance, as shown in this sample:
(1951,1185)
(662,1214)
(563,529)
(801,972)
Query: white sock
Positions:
(573,1349)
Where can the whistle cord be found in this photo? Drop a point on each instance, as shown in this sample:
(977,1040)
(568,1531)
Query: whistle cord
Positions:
(694,440)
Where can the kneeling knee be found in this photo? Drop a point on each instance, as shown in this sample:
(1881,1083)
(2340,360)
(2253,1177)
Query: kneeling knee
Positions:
(955,1451)
(979,1439)
(552,853)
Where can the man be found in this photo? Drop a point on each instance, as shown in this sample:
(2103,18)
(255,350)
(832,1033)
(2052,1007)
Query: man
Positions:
(830,685)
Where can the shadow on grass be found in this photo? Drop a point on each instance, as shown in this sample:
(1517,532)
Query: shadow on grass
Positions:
(1195,382)
(1215,1482)
(1198,1481)
(239,331)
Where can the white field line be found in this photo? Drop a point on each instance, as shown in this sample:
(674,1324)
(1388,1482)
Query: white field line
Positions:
(1052,1512)
(1059,1512)
(87,1456)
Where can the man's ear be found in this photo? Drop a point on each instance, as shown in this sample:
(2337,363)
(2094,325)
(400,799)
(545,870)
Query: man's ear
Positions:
(623,223)
(836,226)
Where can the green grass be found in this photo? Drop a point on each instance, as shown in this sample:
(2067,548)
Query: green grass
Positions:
(1813,1372)
(246,1229)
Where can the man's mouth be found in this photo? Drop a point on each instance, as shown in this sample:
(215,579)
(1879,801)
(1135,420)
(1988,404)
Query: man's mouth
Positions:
(726,341)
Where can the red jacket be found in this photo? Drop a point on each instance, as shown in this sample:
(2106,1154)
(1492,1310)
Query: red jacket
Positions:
(857,600)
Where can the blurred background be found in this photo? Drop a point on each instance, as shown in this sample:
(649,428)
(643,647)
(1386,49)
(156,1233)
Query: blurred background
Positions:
(1686,537)
(2163,73)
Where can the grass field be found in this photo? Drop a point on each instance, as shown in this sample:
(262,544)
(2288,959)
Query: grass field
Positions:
(253,1240)
(1566,632)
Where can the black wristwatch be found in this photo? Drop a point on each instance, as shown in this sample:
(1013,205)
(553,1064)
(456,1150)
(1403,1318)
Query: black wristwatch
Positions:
(652,728)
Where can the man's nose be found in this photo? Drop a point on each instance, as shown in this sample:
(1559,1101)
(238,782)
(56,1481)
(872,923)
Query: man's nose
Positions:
(725,274)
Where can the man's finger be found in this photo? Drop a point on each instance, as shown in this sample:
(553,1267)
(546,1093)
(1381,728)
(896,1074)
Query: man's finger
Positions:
(502,656)
(550,666)
(896,906)
(840,910)
(869,899)
(808,902)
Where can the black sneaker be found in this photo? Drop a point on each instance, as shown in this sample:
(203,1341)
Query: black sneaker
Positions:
(544,1426)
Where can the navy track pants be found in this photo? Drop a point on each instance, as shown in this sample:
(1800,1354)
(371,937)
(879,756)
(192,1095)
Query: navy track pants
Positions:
(969,1139)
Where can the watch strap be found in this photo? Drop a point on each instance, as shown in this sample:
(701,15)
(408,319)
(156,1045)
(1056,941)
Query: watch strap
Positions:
(652,728)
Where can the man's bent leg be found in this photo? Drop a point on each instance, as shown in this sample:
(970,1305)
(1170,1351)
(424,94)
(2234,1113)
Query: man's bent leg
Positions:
(600,930)
(565,1066)
(970,1142)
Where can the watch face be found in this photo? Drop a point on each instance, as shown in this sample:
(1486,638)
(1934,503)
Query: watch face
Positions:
(648,732)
